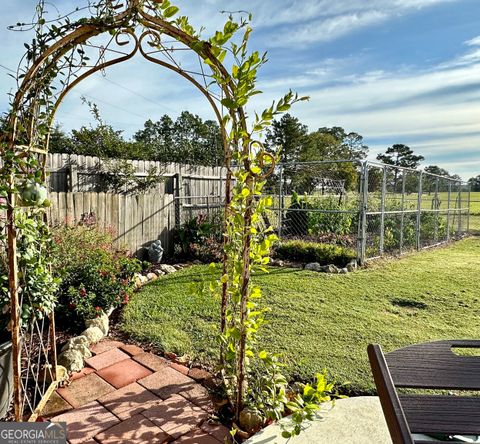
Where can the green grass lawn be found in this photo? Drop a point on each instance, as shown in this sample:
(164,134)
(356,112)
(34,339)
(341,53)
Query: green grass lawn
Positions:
(320,320)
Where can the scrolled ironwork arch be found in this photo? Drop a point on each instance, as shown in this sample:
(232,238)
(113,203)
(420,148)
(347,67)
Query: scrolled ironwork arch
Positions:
(137,26)
(40,73)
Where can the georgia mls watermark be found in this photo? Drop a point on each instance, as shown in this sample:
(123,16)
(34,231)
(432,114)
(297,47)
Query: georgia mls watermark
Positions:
(33,433)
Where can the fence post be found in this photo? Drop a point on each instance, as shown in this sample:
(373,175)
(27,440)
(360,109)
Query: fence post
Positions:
(362,222)
(448,209)
(402,215)
(280,202)
(437,212)
(460,203)
(382,211)
(178,199)
(469,191)
(419,210)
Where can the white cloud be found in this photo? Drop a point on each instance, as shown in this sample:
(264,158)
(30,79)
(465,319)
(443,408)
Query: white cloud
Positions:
(473,42)
(331,28)
(324,20)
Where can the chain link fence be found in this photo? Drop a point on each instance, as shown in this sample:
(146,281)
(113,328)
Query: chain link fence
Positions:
(373,208)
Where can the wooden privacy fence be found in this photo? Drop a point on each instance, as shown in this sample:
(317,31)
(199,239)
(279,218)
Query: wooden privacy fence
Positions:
(79,189)
(76,173)
(137,220)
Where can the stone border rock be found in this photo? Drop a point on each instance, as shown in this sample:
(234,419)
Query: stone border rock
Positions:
(315,266)
(156,273)
(76,350)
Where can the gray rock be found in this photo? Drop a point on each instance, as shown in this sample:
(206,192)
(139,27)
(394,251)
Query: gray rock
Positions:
(155,252)
(101,322)
(83,350)
(280,263)
(159,273)
(140,280)
(352,266)
(93,334)
(152,276)
(78,340)
(167,268)
(343,271)
(332,269)
(72,360)
(177,266)
(313,266)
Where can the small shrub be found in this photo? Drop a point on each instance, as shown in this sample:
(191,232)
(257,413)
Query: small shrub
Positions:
(201,238)
(301,251)
(80,243)
(330,222)
(95,276)
(322,219)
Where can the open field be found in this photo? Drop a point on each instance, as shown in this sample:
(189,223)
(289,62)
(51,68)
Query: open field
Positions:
(320,320)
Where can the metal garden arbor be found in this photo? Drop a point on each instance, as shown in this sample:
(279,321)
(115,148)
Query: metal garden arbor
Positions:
(59,63)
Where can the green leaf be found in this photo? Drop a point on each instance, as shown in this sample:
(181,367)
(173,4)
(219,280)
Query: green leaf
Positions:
(165,4)
(170,11)
(245,192)
(229,103)
(263,354)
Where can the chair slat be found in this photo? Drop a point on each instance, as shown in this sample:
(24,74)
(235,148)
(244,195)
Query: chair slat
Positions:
(434,366)
(459,415)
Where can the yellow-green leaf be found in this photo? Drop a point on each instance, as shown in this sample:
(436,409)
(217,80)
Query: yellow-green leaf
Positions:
(170,11)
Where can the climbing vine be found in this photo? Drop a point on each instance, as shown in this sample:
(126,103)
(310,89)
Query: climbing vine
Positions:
(61,53)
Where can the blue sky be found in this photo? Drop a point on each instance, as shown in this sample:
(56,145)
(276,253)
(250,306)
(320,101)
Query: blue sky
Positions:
(395,71)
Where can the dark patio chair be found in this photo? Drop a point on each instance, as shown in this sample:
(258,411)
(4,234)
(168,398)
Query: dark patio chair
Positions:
(427,366)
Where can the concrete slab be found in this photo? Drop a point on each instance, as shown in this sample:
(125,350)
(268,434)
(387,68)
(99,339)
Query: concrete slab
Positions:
(356,420)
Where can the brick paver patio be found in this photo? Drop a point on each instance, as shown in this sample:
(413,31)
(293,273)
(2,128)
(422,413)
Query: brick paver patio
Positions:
(128,396)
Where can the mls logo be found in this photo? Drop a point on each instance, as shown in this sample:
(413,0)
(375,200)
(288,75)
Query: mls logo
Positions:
(33,433)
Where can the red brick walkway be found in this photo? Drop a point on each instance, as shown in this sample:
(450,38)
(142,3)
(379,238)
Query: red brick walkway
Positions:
(127,396)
